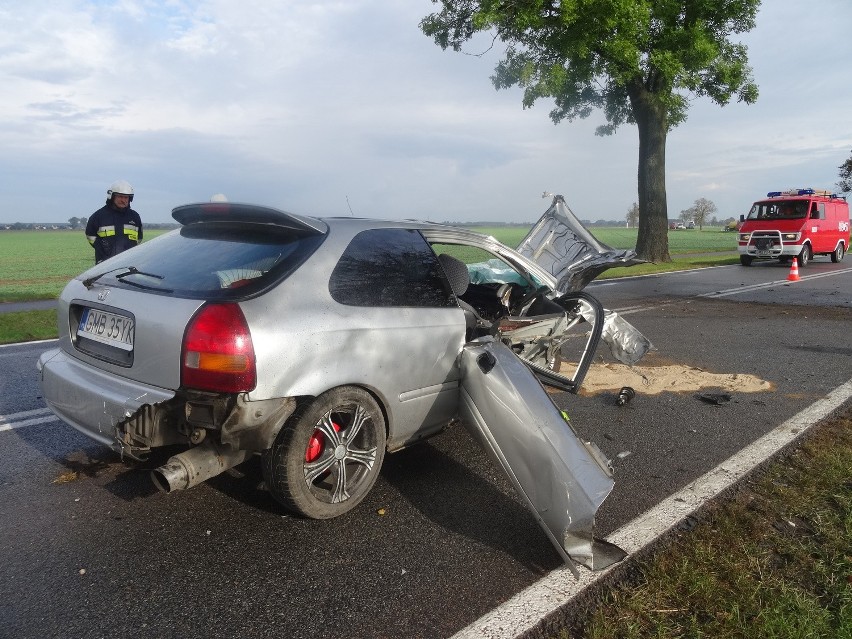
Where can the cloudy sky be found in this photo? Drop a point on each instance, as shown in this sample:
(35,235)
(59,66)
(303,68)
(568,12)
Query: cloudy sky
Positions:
(340,107)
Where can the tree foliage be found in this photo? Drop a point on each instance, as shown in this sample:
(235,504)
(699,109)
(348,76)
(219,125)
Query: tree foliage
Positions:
(639,61)
(845,183)
(699,211)
(632,216)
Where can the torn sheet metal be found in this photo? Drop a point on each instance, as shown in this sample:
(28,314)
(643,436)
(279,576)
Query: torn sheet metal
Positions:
(560,478)
(626,343)
(562,246)
(68,388)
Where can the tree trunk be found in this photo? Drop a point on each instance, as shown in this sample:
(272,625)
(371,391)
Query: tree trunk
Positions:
(652,243)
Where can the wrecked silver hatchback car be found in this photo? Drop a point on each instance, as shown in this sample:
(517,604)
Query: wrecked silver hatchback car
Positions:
(322,344)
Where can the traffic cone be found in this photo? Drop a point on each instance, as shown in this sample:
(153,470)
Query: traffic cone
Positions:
(794,271)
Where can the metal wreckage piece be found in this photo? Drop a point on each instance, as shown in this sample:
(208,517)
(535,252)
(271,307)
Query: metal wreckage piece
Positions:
(561,479)
(560,243)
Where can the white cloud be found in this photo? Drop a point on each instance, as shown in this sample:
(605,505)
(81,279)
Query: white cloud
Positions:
(319,106)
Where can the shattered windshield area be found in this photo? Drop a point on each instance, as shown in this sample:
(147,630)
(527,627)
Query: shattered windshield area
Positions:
(779,210)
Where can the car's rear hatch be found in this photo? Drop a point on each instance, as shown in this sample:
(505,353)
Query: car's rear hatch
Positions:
(128,315)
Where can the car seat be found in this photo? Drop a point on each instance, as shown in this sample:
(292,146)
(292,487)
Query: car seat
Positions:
(459,279)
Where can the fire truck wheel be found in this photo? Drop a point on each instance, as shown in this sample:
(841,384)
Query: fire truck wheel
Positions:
(745,260)
(838,253)
(805,255)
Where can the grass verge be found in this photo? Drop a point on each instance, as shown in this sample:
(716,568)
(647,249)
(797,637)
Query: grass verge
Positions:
(772,561)
(678,263)
(27,326)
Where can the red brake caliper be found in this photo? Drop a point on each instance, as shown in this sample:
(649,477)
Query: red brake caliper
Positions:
(317,444)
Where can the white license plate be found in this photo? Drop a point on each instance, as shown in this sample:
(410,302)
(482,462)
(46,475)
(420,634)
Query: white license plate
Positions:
(762,253)
(107,328)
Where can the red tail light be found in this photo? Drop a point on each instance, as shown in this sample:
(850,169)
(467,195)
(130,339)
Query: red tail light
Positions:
(217,351)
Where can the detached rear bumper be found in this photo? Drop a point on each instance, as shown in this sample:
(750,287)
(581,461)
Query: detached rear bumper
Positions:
(92,401)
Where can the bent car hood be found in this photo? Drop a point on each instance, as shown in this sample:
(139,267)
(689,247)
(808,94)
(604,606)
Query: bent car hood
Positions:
(561,245)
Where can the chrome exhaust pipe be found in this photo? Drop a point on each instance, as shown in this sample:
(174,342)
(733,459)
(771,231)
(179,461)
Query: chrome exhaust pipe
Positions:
(196,465)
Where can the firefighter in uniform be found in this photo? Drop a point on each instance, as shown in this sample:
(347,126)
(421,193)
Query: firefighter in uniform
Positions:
(115,227)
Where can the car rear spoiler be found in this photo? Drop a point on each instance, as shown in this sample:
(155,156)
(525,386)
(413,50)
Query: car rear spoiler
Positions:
(247,213)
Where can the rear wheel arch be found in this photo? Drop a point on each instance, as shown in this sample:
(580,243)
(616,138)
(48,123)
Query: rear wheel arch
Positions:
(328,455)
(839,251)
(806,254)
(376,395)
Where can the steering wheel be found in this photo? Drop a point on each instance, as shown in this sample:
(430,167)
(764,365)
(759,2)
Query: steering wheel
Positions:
(527,300)
(504,296)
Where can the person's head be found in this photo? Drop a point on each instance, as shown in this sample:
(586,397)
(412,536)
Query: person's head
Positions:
(120,194)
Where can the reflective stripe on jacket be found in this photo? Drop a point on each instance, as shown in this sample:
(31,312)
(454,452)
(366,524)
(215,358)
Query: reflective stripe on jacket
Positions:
(111,231)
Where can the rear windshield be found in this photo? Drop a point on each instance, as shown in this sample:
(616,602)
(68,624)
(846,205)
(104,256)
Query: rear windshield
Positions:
(210,260)
(780,209)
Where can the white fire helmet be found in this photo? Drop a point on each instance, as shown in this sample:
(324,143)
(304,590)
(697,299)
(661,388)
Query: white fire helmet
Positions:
(120,187)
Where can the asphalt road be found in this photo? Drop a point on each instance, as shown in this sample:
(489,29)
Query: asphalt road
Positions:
(90,549)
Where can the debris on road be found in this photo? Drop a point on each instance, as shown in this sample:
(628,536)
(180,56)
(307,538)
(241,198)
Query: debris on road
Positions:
(717,399)
(625,395)
(66,477)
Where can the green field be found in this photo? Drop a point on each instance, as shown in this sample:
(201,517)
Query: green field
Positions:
(708,240)
(35,265)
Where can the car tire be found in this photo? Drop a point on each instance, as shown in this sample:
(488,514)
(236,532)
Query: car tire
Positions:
(838,253)
(328,455)
(805,255)
(745,260)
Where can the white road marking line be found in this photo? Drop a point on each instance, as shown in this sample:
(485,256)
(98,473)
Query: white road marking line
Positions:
(638,309)
(525,610)
(755,287)
(8,422)
(26,413)
(33,343)
(628,310)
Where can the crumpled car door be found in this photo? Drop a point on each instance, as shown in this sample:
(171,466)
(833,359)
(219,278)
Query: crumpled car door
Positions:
(561,479)
(561,245)
(540,339)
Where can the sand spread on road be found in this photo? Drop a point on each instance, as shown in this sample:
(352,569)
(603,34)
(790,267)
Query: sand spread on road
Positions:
(675,378)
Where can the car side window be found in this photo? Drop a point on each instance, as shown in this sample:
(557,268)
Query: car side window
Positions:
(390,267)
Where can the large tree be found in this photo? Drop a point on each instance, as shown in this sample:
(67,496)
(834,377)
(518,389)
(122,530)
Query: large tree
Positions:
(640,61)
(845,183)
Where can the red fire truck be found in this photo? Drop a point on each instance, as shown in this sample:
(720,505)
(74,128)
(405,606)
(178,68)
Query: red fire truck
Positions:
(797,223)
